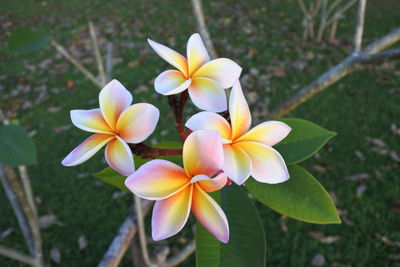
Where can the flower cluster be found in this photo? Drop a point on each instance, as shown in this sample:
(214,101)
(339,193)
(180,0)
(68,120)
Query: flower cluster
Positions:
(216,152)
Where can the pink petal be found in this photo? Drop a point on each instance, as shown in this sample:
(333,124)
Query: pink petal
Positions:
(237,164)
(210,215)
(197,54)
(269,133)
(114,99)
(171,56)
(171,82)
(137,122)
(119,157)
(157,179)
(210,184)
(268,165)
(209,121)
(91,121)
(171,214)
(239,112)
(86,149)
(206,94)
(202,153)
(222,70)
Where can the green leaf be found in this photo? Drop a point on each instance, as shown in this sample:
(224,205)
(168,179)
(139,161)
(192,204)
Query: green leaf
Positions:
(305,139)
(246,246)
(113,178)
(110,176)
(16,147)
(25,40)
(301,197)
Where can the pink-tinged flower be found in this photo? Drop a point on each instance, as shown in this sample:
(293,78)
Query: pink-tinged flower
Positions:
(246,152)
(178,190)
(205,79)
(115,123)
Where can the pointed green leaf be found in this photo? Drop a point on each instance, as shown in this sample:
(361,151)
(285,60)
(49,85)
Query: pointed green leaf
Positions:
(301,197)
(26,40)
(305,139)
(16,147)
(246,246)
(112,177)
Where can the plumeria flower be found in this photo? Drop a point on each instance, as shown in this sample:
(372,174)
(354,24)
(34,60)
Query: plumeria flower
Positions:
(204,79)
(178,190)
(246,152)
(115,123)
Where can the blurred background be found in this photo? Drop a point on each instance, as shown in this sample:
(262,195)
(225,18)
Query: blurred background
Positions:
(359,167)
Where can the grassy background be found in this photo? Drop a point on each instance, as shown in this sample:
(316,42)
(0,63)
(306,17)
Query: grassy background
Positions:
(264,37)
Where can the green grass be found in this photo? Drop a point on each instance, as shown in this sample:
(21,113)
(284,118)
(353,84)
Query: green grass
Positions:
(359,105)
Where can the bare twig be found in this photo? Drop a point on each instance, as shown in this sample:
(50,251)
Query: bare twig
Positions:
(23,224)
(332,34)
(109,61)
(148,152)
(341,70)
(124,237)
(198,12)
(26,183)
(359,25)
(74,62)
(16,255)
(392,54)
(99,59)
(322,23)
(31,218)
(332,7)
(142,233)
(339,12)
(182,255)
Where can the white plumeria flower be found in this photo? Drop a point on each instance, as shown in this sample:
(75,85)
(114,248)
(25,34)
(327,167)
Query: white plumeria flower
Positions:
(246,152)
(204,79)
(116,123)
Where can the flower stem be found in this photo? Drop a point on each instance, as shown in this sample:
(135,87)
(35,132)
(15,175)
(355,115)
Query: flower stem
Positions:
(148,152)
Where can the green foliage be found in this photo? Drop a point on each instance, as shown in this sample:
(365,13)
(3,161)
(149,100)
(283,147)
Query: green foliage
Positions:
(16,147)
(301,197)
(246,246)
(25,40)
(305,139)
(109,176)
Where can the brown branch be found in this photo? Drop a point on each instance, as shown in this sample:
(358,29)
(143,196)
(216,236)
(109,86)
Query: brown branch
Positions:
(123,239)
(339,71)
(16,255)
(148,152)
(359,25)
(177,107)
(97,55)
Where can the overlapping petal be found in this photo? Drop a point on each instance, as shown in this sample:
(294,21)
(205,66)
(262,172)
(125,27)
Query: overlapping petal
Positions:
(239,111)
(137,122)
(210,184)
(222,70)
(119,156)
(206,94)
(171,214)
(90,120)
(171,82)
(114,99)
(209,121)
(237,164)
(268,165)
(86,149)
(157,179)
(202,153)
(171,56)
(197,54)
(269,133)
(210,214)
